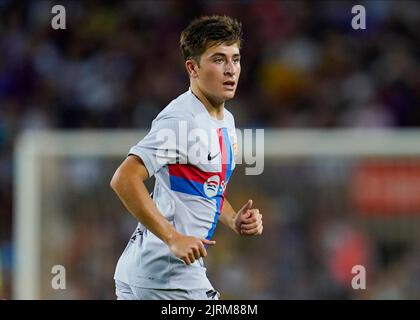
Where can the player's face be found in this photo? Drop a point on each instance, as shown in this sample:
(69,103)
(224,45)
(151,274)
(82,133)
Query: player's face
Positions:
(218,73)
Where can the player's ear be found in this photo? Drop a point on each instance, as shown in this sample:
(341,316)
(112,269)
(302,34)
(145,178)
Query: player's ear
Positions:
(191,67)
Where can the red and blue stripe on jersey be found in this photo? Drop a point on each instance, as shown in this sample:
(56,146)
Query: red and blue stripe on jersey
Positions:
(188,179)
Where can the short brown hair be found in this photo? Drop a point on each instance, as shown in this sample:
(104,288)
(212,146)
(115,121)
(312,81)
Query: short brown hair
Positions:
(207,31)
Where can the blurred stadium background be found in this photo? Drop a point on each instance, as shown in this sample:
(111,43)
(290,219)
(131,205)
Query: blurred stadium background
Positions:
(118,64)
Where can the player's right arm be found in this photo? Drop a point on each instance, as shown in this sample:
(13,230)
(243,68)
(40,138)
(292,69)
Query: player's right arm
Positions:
(128,184)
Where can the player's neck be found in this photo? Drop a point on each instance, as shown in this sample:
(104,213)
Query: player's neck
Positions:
(215,109)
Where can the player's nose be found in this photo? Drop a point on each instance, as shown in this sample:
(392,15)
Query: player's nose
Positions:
(229,69)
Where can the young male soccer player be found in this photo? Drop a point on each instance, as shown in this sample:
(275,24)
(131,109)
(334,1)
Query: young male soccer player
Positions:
(164,257)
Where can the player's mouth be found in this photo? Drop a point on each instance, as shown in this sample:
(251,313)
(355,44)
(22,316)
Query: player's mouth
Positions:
(230,85)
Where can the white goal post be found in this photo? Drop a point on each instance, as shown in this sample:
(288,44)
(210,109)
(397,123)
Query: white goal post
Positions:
(279,144)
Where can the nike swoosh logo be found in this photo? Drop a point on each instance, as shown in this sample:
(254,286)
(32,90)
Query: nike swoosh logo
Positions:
(209,157)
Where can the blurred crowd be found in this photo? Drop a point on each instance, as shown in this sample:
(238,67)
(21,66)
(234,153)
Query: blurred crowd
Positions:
(117,64)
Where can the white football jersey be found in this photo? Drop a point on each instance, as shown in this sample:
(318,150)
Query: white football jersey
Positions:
(191,155)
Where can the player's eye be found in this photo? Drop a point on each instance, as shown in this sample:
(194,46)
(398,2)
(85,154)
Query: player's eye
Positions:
(218,60)
(236,60)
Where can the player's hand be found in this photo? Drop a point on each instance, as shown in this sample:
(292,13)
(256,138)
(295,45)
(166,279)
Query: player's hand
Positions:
(189,248)
(248,221)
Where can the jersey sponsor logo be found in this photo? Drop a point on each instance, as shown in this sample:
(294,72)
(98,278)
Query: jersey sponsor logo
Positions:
(211,186)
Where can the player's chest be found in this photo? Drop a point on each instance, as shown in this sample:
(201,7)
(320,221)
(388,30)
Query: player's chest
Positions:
(213,150)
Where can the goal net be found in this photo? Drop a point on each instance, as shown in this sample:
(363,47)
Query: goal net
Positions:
(341,212)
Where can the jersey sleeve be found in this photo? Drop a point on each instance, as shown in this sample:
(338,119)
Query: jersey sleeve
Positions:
(166,143)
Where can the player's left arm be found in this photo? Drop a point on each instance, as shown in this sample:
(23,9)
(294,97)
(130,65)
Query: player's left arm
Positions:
(247,221)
